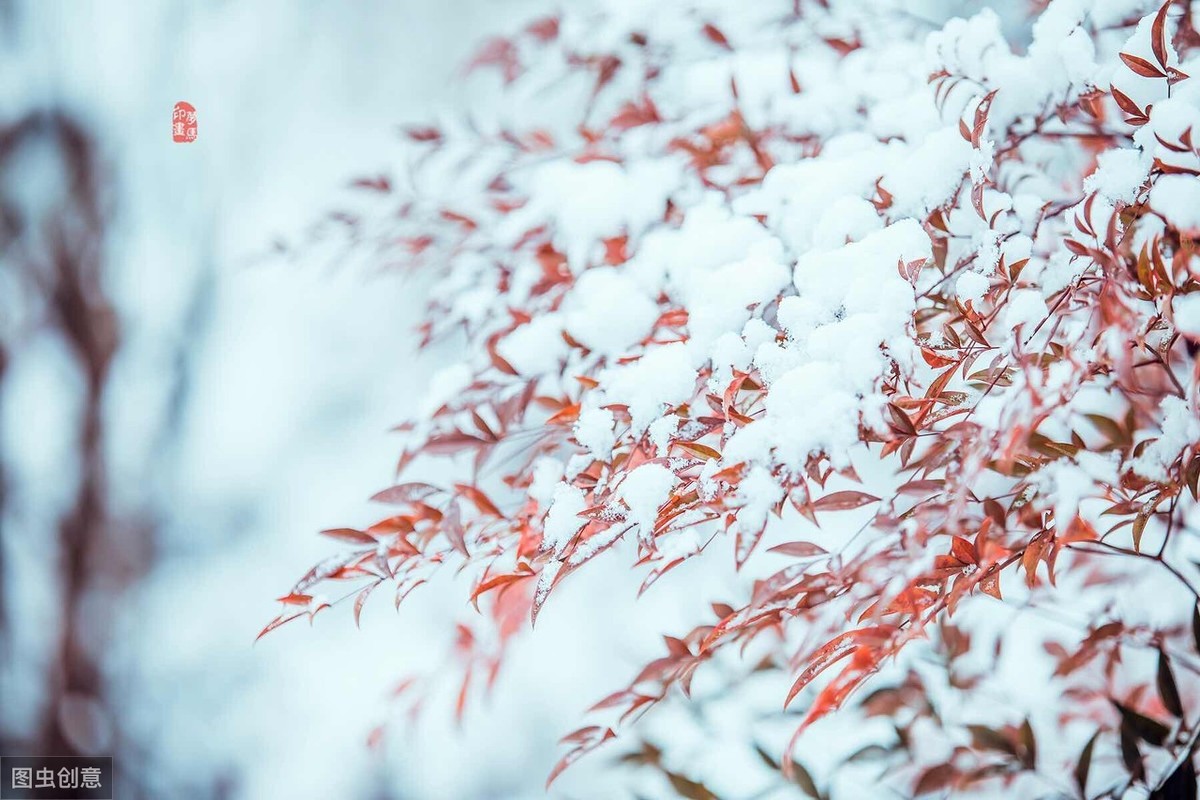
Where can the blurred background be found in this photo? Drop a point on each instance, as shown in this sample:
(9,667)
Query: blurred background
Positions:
(181,408)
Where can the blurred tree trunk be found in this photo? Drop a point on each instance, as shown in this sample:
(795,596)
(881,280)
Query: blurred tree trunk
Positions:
(60,256)
(58,252)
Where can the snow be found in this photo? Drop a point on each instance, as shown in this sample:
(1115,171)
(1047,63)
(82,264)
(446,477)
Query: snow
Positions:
(595,431)
(925,177)
(1180,430)
(1119,175)
(1177,197)
(547,474)
(679,544)
(861,277)
(537,347)
(728,352)
(710,237)
(664,376)
(1025,310)
(445,385)
(971,287)
(606,311)
(1172,121)
(851,305)
(797,198)
(661,432)
(808,411)
(1078,54)
(719,302)
(1067,483)
(644,490)
(1187,314)
(846,219)
(563,520)
(758,494)
(598,199)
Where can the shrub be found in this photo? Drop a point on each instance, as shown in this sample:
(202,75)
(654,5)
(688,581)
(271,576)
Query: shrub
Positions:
(901,313)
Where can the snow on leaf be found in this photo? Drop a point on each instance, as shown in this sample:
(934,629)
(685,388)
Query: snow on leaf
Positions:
(742,257)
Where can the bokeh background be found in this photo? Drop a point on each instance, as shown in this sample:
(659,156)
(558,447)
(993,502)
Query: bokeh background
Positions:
(182,408)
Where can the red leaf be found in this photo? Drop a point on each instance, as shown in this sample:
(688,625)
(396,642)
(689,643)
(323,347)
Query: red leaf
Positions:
(964,551)
(843,501)
(745,543)
(378,184)
(1142,67)
(565,415)
(990,584)
(478,499)
(977,200)
(862,665)
(500,53)
(1127,105)
(631,115)
(405,493)
(704,451)
(544,29)
(934,360)
(926,486)
(275,623)
(588,739)
(911,601)
(452,528)
(606,69)
(835,650)
(375,737)
(799,549)
(981,115)
(452,443)
(1158,35)
(349,535)
(935,779)
(419,134)
(615,248)
(502,580)
(1075,247)
(360,600)
(715,35)
(498,361)
(901,421)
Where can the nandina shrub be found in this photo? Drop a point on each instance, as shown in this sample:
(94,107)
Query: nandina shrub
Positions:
(896,310)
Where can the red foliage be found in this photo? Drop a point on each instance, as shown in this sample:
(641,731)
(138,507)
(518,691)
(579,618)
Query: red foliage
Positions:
(1033,450)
